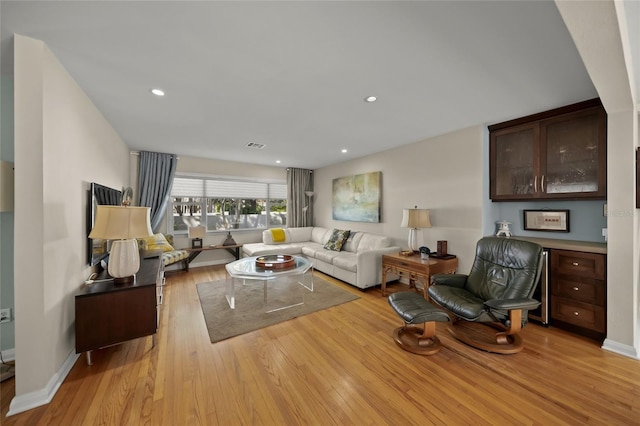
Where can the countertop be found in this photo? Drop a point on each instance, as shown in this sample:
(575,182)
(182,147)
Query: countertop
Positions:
(585,246)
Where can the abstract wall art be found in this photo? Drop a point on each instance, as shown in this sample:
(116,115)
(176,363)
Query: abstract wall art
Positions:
(356,198)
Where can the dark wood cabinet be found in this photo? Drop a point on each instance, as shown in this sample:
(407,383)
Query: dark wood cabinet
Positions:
(578,292)
(557,154)
(107,314)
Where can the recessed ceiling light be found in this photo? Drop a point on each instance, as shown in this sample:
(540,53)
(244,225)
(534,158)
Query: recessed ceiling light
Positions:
(278,161)
(344,151)
(157,92)
(370,99)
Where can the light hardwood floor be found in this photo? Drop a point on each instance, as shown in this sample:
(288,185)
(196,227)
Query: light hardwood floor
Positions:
(338,366)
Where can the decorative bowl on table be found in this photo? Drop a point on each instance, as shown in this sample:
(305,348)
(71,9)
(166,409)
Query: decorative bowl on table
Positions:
(275,261)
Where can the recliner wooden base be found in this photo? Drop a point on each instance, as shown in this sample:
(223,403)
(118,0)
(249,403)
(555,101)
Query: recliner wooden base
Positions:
(421,341)
(483,337)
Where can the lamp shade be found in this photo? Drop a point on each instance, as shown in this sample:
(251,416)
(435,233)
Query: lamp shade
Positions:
(124,224)
(415,218)
(197,232)
(121,223)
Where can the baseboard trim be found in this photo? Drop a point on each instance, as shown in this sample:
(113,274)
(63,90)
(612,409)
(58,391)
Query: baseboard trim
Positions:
(21,403)
(619,348)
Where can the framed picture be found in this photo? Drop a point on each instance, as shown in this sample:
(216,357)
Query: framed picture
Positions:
(357,198)
(546,220)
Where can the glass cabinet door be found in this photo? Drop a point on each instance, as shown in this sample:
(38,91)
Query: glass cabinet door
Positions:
(513,159)
(575,155)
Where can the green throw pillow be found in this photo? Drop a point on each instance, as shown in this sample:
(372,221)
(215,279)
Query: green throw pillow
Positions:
(337,240)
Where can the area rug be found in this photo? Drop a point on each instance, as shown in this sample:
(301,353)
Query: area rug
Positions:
(249,314)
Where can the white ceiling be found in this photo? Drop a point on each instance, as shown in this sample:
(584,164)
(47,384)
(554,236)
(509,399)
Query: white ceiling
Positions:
(293,75)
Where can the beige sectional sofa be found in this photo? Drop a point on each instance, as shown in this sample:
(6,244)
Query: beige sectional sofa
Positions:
(358,263)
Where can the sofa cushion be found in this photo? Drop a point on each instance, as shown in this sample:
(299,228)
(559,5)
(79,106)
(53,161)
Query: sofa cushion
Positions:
(267,236)
(336,240)
(299,235)
(347,261)
(260,249)
(373,242)
(327,256)
(311,249)
(351,245)
(320,235)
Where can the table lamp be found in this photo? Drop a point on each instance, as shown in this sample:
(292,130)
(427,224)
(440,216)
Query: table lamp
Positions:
(122,224)
(415,219)
(197,233)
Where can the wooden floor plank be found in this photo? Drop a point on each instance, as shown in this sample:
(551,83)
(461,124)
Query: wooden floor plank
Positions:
(333,367)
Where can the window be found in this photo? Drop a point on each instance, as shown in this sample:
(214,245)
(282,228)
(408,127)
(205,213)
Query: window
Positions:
(225,204)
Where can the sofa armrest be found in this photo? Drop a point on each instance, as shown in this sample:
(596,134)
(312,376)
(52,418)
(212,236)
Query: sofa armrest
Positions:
(369,265)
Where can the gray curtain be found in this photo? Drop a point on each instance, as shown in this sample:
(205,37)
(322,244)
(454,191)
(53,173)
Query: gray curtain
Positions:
(299,204)
(155,179)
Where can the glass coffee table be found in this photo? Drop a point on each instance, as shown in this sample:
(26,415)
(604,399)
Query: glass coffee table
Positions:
(283,287)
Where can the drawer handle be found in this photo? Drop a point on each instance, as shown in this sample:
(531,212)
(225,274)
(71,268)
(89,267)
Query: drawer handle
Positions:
(576,288)
(576,314)
(575,264)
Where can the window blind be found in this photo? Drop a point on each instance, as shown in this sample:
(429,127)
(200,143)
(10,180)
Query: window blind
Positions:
(216,188)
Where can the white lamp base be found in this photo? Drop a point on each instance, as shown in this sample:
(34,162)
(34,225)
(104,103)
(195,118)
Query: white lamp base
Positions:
(124,260)
(413,242)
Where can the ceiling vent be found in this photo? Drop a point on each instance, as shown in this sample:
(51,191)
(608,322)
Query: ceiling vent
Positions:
(255,145)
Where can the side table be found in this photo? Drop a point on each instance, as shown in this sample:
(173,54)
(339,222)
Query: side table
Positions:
(108,314)
(415,269)
(194,252)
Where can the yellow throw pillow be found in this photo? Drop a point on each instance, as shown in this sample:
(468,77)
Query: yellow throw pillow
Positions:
(278,235)
(158,242)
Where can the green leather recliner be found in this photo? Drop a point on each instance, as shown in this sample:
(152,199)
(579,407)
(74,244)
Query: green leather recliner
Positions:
(498,291)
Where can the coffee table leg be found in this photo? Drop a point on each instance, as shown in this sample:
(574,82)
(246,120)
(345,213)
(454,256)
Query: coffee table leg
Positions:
(303,280)
(231,293)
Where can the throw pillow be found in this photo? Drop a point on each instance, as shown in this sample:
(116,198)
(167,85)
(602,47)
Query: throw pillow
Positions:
(158,242)
(337,240)
(278,235)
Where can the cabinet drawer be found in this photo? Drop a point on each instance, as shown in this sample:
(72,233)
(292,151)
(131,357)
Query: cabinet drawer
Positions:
(584,290)
(575,263)
(579,314)
(408,265)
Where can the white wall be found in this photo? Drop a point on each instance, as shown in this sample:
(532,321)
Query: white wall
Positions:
(7,330)
(62,143)
(443,174)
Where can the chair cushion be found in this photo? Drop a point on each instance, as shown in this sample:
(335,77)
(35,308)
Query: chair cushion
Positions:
(414,309)
(504,268)
(174,256)
(458,301)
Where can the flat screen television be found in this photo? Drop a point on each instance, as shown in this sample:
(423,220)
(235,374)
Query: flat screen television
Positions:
(99,195)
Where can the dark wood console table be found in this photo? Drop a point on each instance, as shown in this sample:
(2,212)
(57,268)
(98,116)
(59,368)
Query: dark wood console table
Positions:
(108,314)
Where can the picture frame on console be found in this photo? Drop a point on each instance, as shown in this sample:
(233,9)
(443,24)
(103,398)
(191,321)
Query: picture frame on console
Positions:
(98,249)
